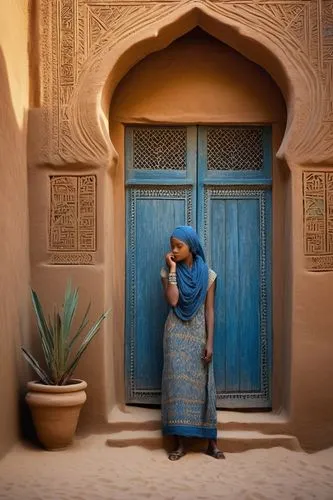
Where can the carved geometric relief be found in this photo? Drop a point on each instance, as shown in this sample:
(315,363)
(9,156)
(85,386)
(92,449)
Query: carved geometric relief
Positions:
(101,18)
(318,220)
(67,21)
(327,53)
(62,258)
(76,36)
(63,213)
(72,224)
(294,17)
(87,212)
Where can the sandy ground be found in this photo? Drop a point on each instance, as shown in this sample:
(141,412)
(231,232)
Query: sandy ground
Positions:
(92,470)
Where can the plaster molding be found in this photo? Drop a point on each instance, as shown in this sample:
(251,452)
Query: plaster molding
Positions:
(318,219)
(93,44)
(72,219)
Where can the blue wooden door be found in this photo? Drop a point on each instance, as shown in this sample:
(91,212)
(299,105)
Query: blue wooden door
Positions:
(234,222)
(218,179)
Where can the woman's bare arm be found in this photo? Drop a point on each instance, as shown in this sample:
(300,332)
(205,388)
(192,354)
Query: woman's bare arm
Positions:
(171,292)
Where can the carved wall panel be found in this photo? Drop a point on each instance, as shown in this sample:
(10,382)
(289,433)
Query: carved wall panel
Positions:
(72,222)
(318,220)
(78,37)
(78,41)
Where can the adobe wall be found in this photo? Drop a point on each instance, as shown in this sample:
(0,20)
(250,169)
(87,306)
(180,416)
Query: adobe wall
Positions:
(86,48)
(14,247)
(199,80)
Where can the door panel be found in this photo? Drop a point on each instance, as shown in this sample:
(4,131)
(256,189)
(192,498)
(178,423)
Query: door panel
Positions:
(154,208)
(218,180)
(237,241)
(150,306)
(249,295)
(234,221)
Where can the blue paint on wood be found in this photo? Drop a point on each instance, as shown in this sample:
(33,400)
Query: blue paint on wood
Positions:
(231,304)
(155,220)
(219,250)
(249,295)
(234,220)
(153,209)
(235,224)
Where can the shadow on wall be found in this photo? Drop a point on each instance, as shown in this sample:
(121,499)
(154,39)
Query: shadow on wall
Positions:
(14,262)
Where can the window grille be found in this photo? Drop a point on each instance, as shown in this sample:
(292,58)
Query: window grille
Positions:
(159,148)
(235,148)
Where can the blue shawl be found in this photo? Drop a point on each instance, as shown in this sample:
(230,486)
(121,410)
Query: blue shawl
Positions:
(192,282)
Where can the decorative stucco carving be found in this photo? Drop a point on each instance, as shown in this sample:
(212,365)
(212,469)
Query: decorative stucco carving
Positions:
(318,220)
(83,40)
(72,223)
(71,259)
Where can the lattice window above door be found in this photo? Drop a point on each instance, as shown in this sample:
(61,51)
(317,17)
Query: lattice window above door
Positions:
(235,148)
(160,148)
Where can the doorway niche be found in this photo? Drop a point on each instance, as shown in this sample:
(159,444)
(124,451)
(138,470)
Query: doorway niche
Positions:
(197,80)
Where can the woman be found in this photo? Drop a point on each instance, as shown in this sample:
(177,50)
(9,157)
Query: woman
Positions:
(188,387)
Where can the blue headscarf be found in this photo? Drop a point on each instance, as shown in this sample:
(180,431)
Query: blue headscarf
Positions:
(192,281)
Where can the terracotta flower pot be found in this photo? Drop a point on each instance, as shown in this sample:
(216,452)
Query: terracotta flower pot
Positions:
(55,411)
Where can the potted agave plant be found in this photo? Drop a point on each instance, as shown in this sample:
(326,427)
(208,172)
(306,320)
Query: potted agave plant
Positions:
(56,398)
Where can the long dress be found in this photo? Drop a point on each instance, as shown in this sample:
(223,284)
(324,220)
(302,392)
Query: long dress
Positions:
(188,386)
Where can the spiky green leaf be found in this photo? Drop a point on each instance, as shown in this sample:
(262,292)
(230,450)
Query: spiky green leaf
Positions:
(35,366)
(56,341)
(69,309)
(84,345)
(81,327)
(43,330)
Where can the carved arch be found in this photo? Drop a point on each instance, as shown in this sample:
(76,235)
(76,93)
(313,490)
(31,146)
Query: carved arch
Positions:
(247,28)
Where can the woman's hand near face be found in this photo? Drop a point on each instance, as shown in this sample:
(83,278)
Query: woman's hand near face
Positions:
(169,259)
(170,288)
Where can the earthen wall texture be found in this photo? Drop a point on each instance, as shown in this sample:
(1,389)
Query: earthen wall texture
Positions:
(14,246)
(85,48)
(81,37)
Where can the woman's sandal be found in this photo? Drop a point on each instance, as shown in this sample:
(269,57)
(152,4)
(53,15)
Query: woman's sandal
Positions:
(215,453)
(176,455)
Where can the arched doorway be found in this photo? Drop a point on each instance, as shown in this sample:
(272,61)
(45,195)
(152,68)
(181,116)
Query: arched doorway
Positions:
(191,101)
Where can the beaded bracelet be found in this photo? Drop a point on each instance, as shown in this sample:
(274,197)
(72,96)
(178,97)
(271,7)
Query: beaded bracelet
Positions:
(172,278)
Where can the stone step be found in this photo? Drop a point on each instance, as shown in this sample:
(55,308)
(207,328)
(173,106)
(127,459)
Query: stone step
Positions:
(228,440)
(134,418)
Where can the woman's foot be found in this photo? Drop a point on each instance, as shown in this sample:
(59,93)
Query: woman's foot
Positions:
(176,454)
(213,451)
(179,451)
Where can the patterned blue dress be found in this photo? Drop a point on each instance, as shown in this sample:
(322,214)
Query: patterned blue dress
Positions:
(188,386)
